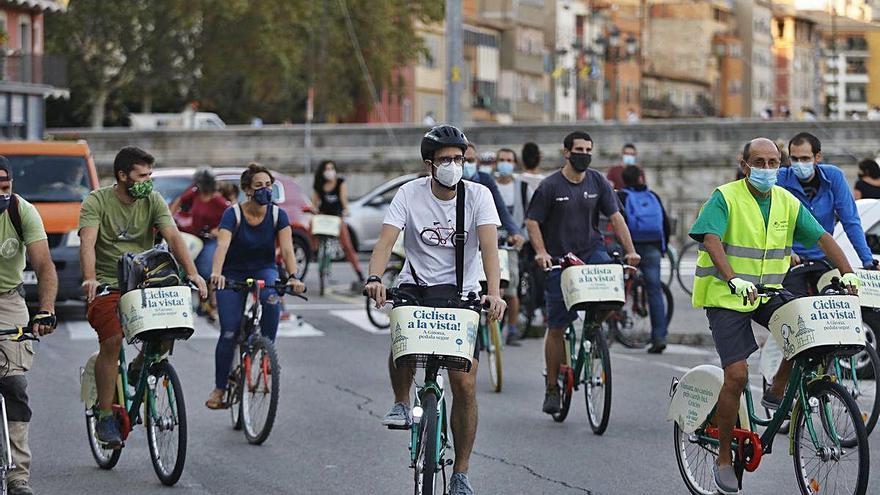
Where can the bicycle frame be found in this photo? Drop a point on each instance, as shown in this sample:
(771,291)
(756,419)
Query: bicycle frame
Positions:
(132,402)
(580,350)
(433,385)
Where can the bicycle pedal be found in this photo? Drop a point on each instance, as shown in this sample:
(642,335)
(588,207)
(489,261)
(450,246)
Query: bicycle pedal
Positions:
(399,427)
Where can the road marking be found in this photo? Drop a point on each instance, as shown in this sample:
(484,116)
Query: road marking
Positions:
(301,308)
(81,330)
(358,318)
(681,369)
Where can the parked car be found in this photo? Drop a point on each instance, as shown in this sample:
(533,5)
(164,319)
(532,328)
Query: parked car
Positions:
(286,193)
(55,177)
(365,214)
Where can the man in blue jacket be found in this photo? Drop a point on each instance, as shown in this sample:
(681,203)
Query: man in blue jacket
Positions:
(470,172)
(823,189)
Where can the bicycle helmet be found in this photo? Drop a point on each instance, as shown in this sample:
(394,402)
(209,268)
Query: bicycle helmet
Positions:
(442,136)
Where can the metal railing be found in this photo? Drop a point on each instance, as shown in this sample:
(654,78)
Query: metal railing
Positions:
(50,70)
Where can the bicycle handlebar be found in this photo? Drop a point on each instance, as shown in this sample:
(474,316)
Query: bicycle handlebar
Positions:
(21,333)
(397,298)
(279,285)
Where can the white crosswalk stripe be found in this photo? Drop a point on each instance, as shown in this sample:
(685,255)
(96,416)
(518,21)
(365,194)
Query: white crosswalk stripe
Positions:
(81,330)
(358,318)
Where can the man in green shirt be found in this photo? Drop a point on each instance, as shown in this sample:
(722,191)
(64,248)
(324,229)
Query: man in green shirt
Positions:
(21,229)
(746,229)
(114,220)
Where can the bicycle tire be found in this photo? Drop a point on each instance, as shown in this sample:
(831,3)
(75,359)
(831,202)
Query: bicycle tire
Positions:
(803,454)
(379,318)
(566,390)
(686,249)
(698,480)
(323,265)
(166,376)
(871,325)
(598,354)
(493,352)
(864,383)
(622,325)
(233,392)
(672,255)
(105,458)
(670,303)
(426,484)
(264,360)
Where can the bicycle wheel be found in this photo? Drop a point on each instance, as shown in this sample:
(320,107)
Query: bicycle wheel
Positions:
(259,398)
(597,378)
(672,255)
(426,463)
(493,352)
(105,458)
(862,386)
(381,318)
(686,252)
(233,392)
(165,416)
(828,467)
(670,302)
(323,264)
(695,460)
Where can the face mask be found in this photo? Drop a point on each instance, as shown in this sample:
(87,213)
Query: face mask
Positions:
(329,174)
(448,175)
(263,196)
(4,202)
(580,161)
(486,169)
(469,169)
(140,190)
(505,168)
(629,159)
(763,178)
(803,170)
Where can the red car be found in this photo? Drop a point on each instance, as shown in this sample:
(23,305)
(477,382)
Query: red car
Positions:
(172,182)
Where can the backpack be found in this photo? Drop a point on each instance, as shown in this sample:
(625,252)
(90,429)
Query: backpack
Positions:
(15,216)
(236,208)
(644,216)
(152,268)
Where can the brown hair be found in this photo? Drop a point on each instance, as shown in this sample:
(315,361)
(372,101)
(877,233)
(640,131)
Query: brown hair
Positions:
(254,168)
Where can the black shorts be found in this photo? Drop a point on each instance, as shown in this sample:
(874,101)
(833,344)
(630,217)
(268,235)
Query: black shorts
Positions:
(437,296)
(732,330)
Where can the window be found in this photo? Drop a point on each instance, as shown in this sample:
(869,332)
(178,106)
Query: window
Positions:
(856,93)
(431,57)
(530,41)
(483,93)
(856,66)
(50,178)
(24,33)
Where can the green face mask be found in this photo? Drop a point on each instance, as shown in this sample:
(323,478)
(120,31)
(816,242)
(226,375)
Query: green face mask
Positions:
(140,190)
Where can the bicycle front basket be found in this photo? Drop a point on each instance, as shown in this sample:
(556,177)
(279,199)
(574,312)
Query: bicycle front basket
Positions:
(818,325)
(445,335)
(160,313)
(584,285)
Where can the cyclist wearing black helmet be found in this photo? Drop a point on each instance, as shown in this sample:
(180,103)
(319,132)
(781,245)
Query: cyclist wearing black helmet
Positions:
(428,205)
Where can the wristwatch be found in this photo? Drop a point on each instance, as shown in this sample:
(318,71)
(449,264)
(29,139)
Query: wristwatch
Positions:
(373,278)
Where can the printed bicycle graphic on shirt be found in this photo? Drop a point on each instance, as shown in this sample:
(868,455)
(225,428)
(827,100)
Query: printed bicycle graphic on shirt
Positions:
(440,236)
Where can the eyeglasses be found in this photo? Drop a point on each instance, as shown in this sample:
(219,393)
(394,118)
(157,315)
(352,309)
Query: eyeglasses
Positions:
(5,179)
(760,163)
(446,160)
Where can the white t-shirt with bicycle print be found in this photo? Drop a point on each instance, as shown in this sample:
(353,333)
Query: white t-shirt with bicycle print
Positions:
(428,227)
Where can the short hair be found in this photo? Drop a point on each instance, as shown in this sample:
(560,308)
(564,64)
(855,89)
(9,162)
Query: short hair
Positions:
(507,150)
(4,165)
(870,167)
(531,156)
(568,142)
(748,147)
(631,146)
(631,175)
(472,146)
(247,177)
(128,157)
(806,137)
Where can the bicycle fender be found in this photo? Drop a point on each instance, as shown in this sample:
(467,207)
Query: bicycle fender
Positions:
(695,397)
(88,390)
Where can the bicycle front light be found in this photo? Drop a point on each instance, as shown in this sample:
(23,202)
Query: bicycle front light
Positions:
(417,414)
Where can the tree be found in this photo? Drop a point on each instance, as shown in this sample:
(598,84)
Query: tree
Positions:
(95,35)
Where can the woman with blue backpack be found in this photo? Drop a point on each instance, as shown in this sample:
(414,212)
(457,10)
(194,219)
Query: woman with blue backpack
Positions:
(649,227)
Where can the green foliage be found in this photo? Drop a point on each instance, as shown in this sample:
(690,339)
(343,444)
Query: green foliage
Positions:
(238,58)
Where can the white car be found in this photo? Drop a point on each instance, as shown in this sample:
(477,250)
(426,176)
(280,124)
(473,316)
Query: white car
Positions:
(365,214)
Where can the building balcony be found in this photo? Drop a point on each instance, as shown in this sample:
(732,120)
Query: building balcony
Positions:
(45,70)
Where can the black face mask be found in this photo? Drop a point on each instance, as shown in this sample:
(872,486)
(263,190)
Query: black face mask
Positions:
(580,161)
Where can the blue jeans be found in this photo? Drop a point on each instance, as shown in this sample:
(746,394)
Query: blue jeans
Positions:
(205,259)
(650,268)
(558,317)
(230,306)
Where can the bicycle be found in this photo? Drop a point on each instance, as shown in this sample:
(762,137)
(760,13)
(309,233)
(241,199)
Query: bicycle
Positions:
(490,337)
(449,345)
(326,228)
(631,324)
(594,289)
(821,433)
(379,316)
(153,317)
(685,253)
(6,463)
(254,382)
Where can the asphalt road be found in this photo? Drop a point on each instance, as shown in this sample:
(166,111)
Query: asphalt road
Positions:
(328,440)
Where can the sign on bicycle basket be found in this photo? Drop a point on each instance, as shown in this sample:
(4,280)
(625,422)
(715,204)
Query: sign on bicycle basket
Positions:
(157,313)
(447,334)
(592,283)
(869,292)
(328,225)
(503,264)
(818,324)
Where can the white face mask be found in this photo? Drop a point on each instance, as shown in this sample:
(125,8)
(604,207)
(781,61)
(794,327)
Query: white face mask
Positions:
(329,174)
(486,169)
(448,175)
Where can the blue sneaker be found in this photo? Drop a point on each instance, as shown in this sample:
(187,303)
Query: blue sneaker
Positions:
(107,432)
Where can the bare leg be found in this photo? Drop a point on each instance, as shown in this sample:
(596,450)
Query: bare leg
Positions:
(464,416)
(106,366)
(736,376)
(554,353)
(512,310)
(777,389)
(401,381)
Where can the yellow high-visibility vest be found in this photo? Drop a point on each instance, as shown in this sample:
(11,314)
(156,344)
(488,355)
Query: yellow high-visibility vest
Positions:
(756,252)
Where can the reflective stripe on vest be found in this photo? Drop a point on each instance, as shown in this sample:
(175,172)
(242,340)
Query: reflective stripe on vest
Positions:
(758,252)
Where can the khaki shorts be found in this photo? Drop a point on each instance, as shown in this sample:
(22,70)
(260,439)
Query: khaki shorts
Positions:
(512,288)
(19,356)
